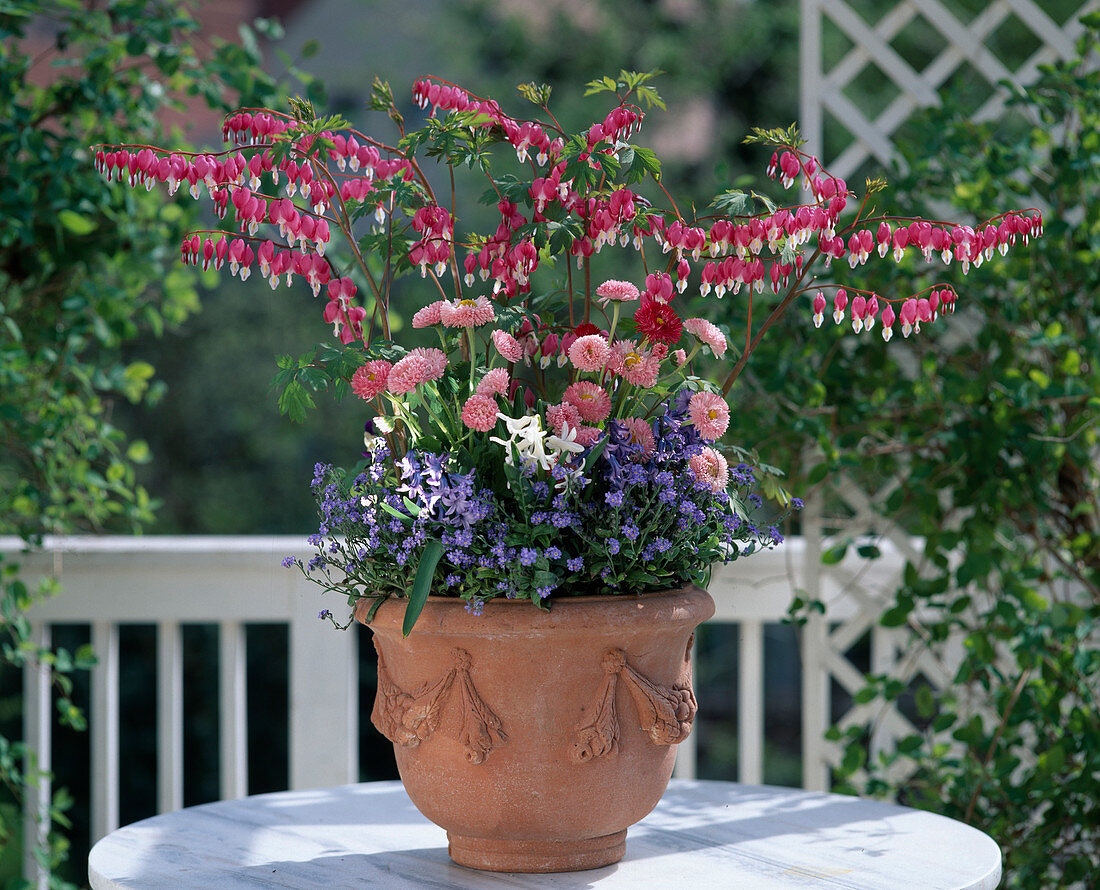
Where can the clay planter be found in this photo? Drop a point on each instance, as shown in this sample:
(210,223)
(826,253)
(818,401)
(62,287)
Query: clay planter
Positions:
(536,738)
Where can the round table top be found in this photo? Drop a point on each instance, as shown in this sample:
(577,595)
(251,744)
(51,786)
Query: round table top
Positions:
(367,835)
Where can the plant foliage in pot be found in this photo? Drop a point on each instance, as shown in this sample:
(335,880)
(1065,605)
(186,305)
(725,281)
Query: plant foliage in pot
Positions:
(542,491)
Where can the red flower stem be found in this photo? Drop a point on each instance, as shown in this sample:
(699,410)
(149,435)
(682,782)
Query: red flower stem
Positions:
(550,114)
(387,271)
(675,209)
(517,120)
(453,262)
(948,223)
(776,314)
(344,224)
(587,289)
(748,327)
(569,281)
(870,293)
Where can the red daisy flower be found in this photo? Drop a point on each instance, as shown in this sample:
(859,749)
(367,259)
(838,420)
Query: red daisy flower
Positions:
(658,322)
(585,328)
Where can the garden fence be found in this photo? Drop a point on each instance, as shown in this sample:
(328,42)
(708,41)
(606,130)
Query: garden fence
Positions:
(230,582)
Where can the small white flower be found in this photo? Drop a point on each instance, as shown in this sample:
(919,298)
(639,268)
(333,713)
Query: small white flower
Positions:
(526,434)
(565,442)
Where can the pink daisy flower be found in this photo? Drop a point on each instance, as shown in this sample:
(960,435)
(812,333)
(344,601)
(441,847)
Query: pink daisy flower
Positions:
(680,357)
(641,435)
(591,400)
(620,291)
(466,313)
(619,351)
(588,435)
(508,346)
(590,352)
(408,373)
(428,316)
(480,413)
(494,383)
(708,333)
(559,415)
(710,468)
(436,359)
(369,380)
(639,367)
(710,414)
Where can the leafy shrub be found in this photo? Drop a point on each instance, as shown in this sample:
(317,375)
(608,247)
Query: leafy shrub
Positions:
(997,439)
(76,262)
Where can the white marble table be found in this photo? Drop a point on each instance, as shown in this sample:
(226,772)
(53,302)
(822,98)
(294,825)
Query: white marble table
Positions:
(702,834)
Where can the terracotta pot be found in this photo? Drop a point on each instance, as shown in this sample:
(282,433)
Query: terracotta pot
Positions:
(536,738)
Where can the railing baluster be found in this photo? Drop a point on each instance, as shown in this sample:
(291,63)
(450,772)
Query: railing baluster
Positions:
(233,707)
(37,708)
(334,703)
(750,703)
(169,717)
(815,704)
(104,724)
(815,675)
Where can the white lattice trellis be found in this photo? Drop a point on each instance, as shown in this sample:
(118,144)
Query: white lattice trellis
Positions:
(828,638)
(827,91)
(823,91)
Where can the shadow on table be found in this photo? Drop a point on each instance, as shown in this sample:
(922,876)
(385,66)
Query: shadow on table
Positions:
(430,867)
(814,818)
(366,804)
(405,870)
(691,818)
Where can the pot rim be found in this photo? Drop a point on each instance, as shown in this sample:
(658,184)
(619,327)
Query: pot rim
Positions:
(444,615)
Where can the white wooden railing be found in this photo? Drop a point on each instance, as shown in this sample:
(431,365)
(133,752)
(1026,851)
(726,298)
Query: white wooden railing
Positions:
(229,582)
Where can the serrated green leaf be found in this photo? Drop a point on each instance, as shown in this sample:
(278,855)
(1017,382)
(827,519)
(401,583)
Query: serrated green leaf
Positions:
(732,202)
(294,401)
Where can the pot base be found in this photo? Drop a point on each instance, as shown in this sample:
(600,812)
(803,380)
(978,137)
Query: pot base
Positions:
(536,856)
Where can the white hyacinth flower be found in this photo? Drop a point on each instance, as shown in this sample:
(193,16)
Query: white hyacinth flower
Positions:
(527,435)
(565,442)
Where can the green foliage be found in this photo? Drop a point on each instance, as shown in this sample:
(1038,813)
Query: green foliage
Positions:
(535,93)
(628,84)
(994,420)
(326,367)
(775,137)
(76,261)
(422,584)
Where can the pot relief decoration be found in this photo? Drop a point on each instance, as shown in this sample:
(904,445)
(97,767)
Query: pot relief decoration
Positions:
(665,713)
(408,719)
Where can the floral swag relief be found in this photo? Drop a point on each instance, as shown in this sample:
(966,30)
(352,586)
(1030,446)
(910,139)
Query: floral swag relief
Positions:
(407,720)
(665,713)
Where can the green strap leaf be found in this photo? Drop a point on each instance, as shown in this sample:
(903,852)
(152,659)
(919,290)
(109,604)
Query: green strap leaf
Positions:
(422,585)
(374,607)
(393,511)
